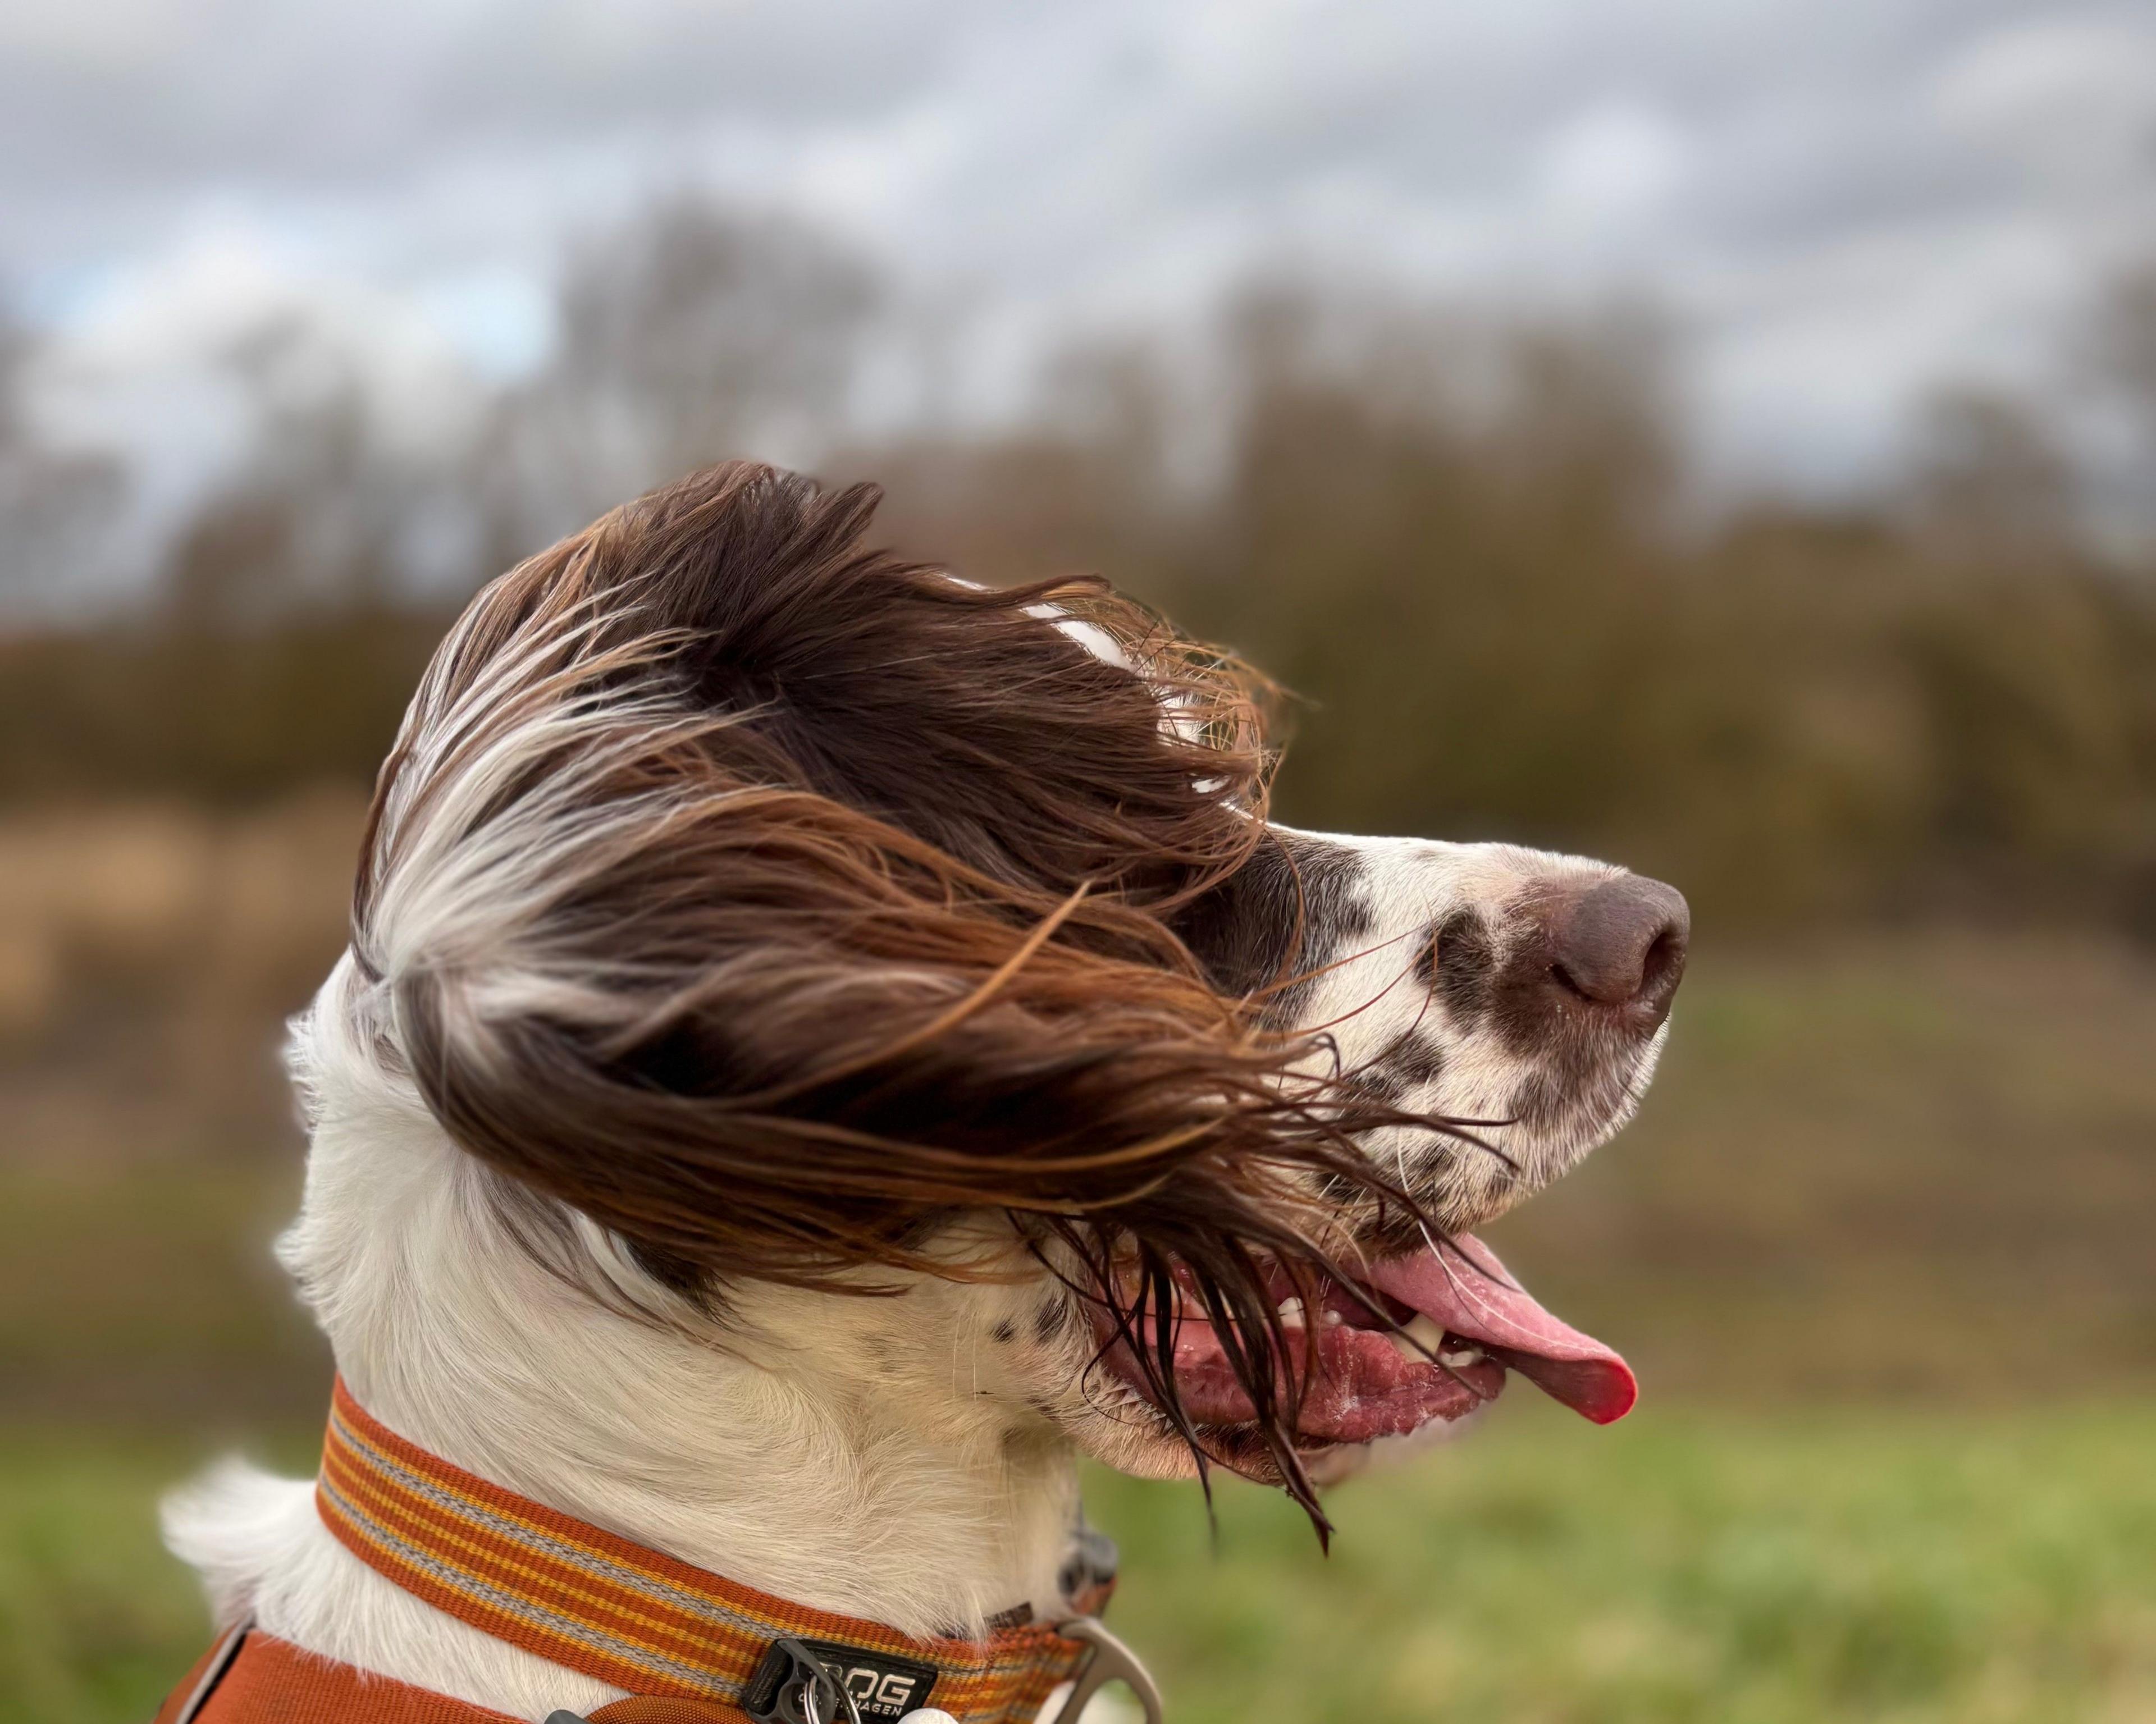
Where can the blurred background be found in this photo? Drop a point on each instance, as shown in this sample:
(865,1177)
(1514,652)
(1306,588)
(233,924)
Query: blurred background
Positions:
(1718,438)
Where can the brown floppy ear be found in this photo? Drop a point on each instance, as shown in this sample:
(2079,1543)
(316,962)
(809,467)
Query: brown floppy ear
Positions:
(769,902)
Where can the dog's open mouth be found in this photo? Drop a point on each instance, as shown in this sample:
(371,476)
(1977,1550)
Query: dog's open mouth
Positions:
(1463,1322)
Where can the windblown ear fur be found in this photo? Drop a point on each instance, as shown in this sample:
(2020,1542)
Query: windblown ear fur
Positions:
(767,899)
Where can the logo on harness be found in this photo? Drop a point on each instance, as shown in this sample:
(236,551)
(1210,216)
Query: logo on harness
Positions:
(882,1688)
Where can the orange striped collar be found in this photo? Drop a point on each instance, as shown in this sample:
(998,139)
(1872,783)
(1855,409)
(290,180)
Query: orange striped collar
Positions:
(622,1612)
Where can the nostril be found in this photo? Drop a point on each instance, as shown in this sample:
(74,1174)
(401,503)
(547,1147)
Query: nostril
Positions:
(1564,979)
(1663,963)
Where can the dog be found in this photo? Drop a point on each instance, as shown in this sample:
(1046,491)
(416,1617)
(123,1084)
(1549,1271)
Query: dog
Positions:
(824,1045)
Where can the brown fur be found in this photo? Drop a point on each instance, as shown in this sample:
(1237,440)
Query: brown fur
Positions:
(883,928)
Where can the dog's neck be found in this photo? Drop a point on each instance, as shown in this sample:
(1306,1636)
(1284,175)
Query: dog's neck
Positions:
(851,1454)
(864,1497)
(841,1452)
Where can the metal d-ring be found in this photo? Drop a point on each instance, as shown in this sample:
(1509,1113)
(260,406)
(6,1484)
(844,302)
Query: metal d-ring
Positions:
(1111,1661)
(808,1701)
(811,1672)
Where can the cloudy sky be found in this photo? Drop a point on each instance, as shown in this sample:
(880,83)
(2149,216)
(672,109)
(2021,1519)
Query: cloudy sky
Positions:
(1843,201)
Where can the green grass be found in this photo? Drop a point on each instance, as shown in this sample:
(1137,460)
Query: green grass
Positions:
(1681,1566)
(95,1620)
(1684,1566)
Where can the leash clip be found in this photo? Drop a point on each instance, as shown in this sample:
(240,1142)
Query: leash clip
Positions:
(1111,1661)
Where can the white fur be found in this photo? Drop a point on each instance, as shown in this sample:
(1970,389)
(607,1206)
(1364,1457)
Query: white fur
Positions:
(875,1457)
(768,1453)
(1371,997)
(908,1459)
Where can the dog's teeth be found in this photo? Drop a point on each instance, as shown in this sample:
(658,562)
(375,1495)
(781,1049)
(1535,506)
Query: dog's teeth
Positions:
(1290,1313)
(1416,1339)
(1332,1319)
(1461,1359)
(1426,1333)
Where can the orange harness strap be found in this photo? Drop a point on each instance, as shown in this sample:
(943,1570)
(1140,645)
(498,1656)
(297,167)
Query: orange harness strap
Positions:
(271,1681)
(686,1642)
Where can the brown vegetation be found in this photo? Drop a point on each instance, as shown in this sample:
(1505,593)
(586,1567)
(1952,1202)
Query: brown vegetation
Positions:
(1472,545)
(148,951)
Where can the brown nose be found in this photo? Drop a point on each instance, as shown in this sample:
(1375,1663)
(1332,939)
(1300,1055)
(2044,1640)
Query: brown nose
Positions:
(1623,944)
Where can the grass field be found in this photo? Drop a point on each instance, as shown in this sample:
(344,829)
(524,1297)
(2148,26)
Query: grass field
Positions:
(1684,1566)
(1678,1567)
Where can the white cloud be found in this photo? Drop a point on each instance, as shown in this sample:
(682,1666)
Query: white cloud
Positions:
(1619,161)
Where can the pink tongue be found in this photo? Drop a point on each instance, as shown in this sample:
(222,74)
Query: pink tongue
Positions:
(1461,1286)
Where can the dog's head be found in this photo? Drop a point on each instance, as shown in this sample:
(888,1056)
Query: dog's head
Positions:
(797,921)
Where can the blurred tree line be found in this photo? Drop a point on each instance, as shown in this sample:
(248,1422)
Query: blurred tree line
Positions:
(1468,544)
